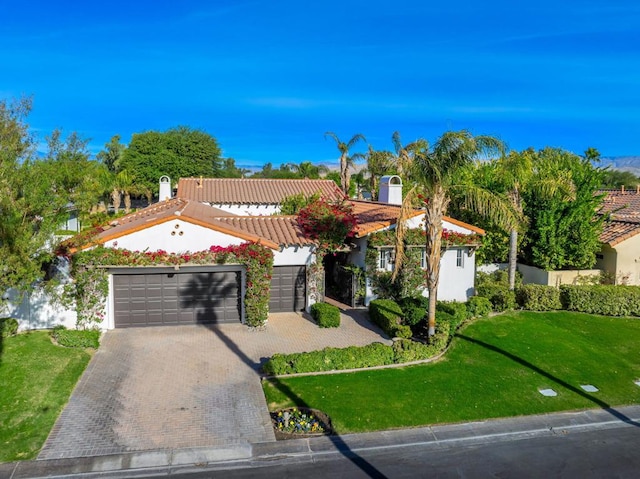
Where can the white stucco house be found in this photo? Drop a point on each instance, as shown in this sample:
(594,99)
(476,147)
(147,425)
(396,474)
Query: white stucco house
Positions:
(223,212)
(210,212)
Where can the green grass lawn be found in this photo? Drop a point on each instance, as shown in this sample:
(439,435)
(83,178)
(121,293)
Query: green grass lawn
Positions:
(494,368)
(36,380)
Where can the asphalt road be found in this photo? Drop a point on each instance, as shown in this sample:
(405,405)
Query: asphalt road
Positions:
(601,453)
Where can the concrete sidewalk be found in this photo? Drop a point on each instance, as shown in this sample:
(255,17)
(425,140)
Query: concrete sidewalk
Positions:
(246,455)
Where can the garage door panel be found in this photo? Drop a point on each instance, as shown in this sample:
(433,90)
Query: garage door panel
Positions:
(176,298)
(288,289)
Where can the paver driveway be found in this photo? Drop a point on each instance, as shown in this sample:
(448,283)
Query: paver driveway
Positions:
(185,386)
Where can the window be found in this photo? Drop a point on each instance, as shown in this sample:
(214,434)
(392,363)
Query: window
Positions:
(385,259)
(460,258)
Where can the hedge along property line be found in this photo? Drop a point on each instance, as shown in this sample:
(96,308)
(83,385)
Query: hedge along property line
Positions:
(607,300)
(89,290)
(403,352)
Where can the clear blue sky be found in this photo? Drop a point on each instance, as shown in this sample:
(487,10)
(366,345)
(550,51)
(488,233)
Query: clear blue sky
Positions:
(268,78)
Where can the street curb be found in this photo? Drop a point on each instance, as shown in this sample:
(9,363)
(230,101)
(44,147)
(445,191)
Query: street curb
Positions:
(246,455)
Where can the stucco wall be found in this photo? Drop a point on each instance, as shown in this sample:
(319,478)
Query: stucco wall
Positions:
(531,274)
(174,236)
(38,310)
(627,261)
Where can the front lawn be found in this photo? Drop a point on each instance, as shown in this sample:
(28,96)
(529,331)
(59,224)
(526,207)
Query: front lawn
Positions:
(36,380)
(494,368)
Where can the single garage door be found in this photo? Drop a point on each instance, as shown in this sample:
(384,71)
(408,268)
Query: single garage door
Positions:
(288,289)
(161,299)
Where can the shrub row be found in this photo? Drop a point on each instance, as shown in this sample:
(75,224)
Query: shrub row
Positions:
(76,338)
(326,315)
(538,297)
(387,314)
(608,300)
(356,357)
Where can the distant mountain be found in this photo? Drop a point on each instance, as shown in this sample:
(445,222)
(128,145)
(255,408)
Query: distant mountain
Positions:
(623,163)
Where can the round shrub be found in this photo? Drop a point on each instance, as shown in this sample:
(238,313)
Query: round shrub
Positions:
(326,315)
(479,307)
(8,327)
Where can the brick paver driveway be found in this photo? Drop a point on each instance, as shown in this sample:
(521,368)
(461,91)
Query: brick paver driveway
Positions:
(185,386)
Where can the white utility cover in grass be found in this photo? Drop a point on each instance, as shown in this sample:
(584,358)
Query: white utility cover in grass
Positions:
(548,392)
(589,388)
(637,382)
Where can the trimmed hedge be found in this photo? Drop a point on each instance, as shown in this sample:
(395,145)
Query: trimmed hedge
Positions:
(388,315)
(479,307)
(8,327)
(538,297)
(414,310)
(608,300)
(326,315)
(76,338)
(357,357)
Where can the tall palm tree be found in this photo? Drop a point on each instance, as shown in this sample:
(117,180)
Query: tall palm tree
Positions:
(405,154)
(346,160)
(435,172)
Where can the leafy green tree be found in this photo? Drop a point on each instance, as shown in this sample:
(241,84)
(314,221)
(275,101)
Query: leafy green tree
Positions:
(112,154)
(306,169)
(230,170)
(435,172)
(615,179)
(379,163)
(292,204)
(346,160)
(178,152)
(32,203)
(269,172)
(564,231)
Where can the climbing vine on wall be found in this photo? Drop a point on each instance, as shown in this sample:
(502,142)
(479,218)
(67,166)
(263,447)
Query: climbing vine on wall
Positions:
(411,279)
(89,290)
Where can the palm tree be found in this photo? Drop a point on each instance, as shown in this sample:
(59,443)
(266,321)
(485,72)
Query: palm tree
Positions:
(306,169)
(405,154)
(435,172)
(346,160)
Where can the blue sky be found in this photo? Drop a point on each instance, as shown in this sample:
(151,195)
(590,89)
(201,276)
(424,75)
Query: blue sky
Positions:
(268,78)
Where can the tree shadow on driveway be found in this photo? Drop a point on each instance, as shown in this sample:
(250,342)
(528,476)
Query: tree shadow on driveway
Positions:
(337,441)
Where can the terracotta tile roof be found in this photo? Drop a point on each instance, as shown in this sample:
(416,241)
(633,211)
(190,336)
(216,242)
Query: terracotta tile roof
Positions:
(623,208)
(272,231)
(373,216)
(249,191)
(281,230)
(622,205)
(615,232)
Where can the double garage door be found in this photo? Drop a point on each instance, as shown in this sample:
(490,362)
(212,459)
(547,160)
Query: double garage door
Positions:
(174,298)
(168,297)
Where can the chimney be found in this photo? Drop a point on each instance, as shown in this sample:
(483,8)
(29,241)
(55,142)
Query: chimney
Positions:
(390,190)
(165,188)
(622,188)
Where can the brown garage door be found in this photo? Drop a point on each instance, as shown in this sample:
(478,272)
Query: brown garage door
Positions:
(161,299)
(288,289)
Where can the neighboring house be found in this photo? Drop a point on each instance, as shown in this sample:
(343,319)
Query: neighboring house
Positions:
(620,254)
(147,296)
(252,197)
